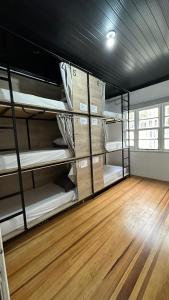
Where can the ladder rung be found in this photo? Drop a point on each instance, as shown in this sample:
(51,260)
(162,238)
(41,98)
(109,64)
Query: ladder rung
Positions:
(11,216)
(4,78)
(6,127)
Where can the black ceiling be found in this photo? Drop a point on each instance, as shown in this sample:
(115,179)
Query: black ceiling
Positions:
(76,30)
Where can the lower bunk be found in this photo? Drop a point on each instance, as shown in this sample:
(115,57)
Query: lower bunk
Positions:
(40,204)
(55,189)
(113,174)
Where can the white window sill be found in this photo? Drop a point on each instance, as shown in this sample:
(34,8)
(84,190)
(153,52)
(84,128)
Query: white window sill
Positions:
(154,151)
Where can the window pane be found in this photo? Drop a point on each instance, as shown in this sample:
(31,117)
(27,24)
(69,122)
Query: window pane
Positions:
(131,115)
(149,123)
(166,133)
(131,135)
(148,134)
(131,125)
(166,144)
(130,143)
(148,113)
(148,144)
(166,110)
(166,121)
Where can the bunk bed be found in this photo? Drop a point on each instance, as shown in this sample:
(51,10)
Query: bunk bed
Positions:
(40,203)
(85,99)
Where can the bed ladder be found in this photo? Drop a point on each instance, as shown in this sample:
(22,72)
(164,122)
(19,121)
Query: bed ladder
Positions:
(125,107)
(16,149)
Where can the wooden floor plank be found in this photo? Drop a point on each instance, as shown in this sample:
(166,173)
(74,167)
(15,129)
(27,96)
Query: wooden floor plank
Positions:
(111,247)
(100,214)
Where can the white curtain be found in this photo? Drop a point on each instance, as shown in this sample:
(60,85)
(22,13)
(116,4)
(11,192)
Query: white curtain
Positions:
(65,123)
(67,82)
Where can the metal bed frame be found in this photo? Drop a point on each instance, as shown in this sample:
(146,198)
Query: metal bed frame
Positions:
(125,107)
(4,289)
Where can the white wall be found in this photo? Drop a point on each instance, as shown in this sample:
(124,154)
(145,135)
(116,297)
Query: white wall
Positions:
(150,93)
(150,164)
(143,163)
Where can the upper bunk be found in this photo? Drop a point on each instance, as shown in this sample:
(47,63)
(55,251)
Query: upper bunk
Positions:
(38,98)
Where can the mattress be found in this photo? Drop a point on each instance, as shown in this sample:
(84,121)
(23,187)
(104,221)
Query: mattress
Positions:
(39,202)
(31,100)
(8,161)
(113,115)
(112,146)
(112,174)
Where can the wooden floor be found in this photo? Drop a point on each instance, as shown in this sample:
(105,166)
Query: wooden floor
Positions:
(114,247)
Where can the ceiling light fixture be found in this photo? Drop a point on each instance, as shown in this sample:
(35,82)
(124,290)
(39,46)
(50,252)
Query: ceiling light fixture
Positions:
(110,36)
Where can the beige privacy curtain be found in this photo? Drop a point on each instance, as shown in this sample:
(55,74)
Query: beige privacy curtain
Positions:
(65,123)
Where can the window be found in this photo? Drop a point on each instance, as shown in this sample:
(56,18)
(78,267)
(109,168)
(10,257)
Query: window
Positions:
(148,128)
(148,124)
(129,134)
(166,127)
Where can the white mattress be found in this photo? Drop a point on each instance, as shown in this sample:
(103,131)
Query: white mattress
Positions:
(39,202)
(31,100)
(8,161)
(114,115)
(110,146)
(112,173)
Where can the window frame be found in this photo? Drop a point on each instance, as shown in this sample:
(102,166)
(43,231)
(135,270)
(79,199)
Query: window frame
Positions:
(164,126)
(151,128)
(161,139)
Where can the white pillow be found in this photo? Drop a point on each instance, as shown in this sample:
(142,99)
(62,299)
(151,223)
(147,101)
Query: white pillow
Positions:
(60,142)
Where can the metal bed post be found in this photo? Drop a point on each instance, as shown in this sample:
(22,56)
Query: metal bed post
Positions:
(128,98)
(29,146)
(122,133)
(90,135)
